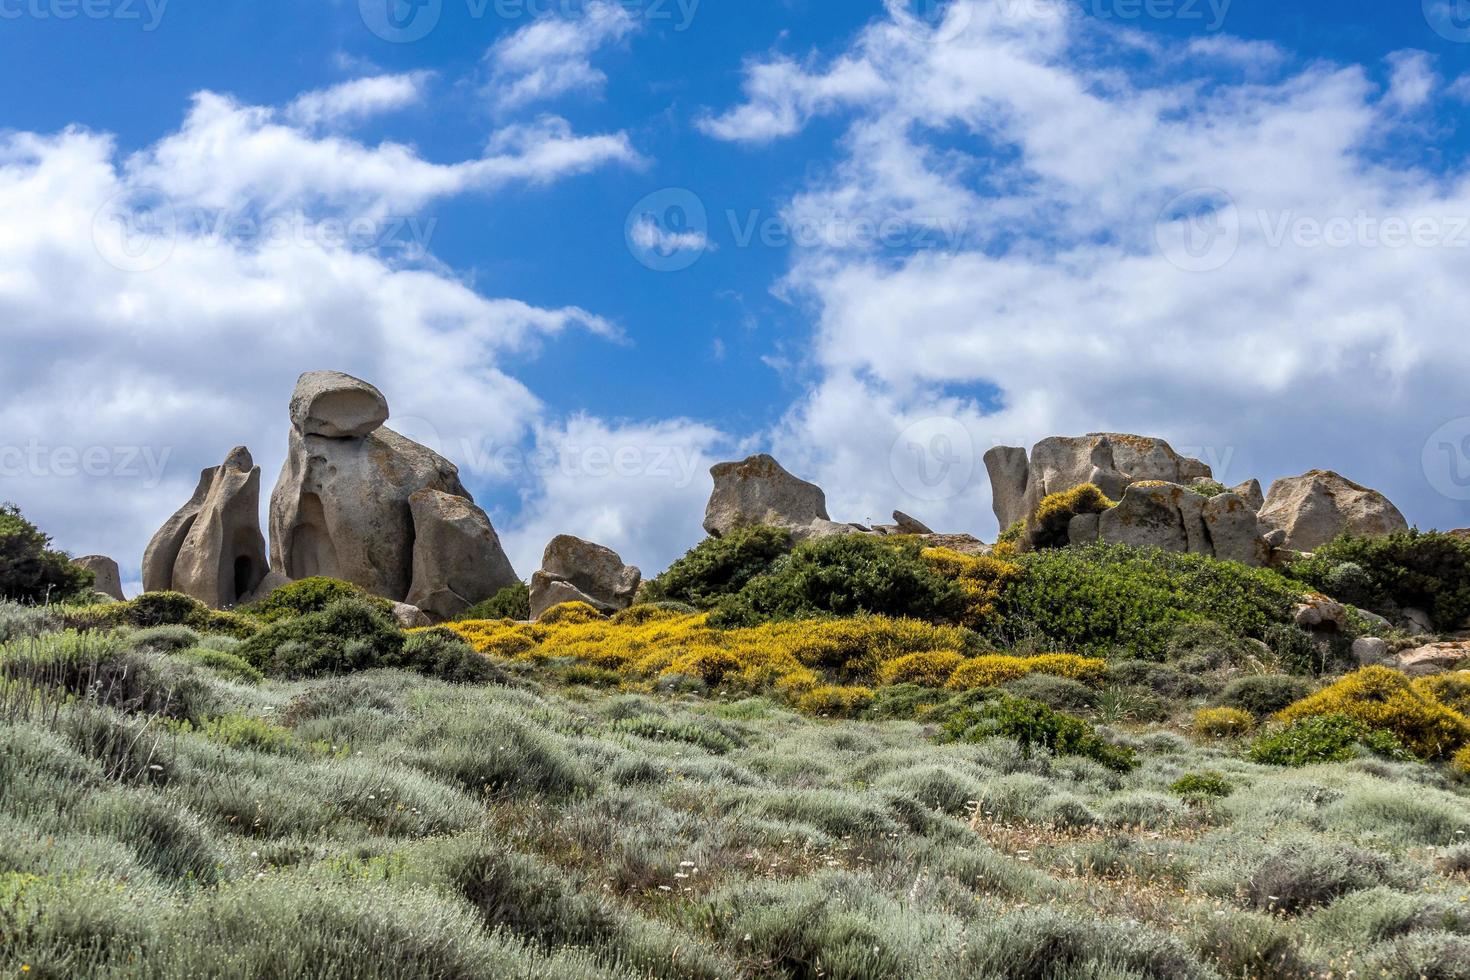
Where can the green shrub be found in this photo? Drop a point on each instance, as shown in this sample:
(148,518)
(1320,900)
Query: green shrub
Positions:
(511,602)
(1124,598)
(1062,693)
(30,570)
(1301,875)
(1380,698)
(1034,725)
(1161,678)
(719,567)
(225,663)
(99,668)
(1264,695)
(905,701)
(845,575)
(1223,722)
(19,621)
(1202,784)
(1324,738)
(1047,528)
(163,639)
(153,609)
(349,635)
(1410,569)
(443,654)
(310,595)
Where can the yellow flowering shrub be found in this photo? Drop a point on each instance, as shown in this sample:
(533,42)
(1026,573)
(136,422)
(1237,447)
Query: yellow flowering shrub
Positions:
(835,701)
(1383,698)
(994,669)
(1460,764)
(931,669)
(982,578)
(1450,690)
(1047,528)
(1223,722)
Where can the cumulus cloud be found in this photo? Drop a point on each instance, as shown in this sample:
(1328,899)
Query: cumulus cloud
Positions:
(1138,243)
(552,56)
(155,310)
(357,100)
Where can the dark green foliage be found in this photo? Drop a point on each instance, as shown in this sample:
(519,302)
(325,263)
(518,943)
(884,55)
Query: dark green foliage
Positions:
(845,576)
(1324,738)
(1202,784)
(349,635)
(511,602)
(30,569)
(719,567)
(1156,677)
(1412,569)
(310,595)
(443,654)
(1301,654)
(1264,695)
(1034,725)
(1132,600)
(906,701)
(225,663)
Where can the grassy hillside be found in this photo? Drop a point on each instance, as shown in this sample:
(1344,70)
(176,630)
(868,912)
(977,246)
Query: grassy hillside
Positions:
(757,787)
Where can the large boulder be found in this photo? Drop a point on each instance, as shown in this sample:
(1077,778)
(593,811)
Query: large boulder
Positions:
(1111,461)
(341,506)
(108,580)
(1316,507)
(457,557)
(759,491)
(336,405)
(1176,518)
(573,570)
(212,548)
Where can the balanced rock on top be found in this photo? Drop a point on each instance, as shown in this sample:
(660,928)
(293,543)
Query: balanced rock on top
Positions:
(1318,506)
(574,570)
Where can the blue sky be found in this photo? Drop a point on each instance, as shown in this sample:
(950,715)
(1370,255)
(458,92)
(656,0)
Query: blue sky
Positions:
(928,228)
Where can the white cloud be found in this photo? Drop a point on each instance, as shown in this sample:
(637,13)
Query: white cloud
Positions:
(647,234)
(139,350)
(638,488)
(782,96)
(1325,338)
(357,100)
(551,57)
(228,155)
(1411,79)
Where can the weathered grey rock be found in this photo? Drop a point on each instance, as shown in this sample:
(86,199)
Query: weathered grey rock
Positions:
(341,508)
(1157,515)
(1417,622)
(336,406)
(457,557)
(1233,530)
(909,525)
(223,558)
(1111,461)
(1083,530)
(1374,620)
(965,544)
(411,617)
(1273,538)
(1317,612)
(1436,658)
(596,574)
(1008,468)
(108,580)
(1320,505)
(1370,651)
(212,549)
(1175,518)
(163,549)
(759,491)
(1250,492)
